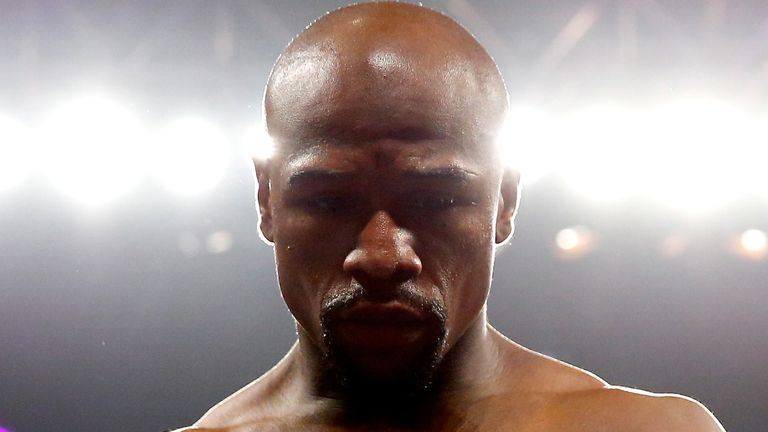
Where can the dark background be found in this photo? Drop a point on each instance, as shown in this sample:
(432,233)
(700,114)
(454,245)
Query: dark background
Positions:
(105,325)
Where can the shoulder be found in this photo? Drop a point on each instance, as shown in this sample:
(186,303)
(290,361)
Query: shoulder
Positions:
(261,426)
(194,429)
(634,410)
(262,405)
(253,406)
(569,398)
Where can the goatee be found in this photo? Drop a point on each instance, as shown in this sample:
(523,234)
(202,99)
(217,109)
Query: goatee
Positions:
(362,390)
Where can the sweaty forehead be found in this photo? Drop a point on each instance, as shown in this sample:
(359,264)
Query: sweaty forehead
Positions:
(383,70)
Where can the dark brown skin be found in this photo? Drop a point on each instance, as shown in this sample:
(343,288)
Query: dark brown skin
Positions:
(384,181)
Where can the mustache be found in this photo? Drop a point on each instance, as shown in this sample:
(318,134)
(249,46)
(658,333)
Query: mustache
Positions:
(407,294)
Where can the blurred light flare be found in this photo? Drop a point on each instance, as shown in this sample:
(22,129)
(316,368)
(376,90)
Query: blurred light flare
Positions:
(529,142)
(17,153)
(694,154)
(604,152)
(753,243)
(567,239)
(575,242)
(219,242)
(191,157)
(94,149)
(704,150)
(257,142)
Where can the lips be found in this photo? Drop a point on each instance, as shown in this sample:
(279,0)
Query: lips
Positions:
(392,312)
(382,326)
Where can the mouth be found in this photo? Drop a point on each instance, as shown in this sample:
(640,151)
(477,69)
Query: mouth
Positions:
(383,326)
(392,312)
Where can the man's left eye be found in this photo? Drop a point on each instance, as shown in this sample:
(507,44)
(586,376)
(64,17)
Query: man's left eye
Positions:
(329,203)
(434,202)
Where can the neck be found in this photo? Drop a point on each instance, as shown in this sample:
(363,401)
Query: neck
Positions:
(466,372)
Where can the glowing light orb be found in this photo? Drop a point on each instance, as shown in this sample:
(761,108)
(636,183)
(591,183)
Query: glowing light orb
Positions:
(94,149)
(754,241)
(605,156)
(528,141)
(258,143)
(574,242)
(17,153)
(567,239)
(750,166)
(191,156)
(703,149)
(219,242)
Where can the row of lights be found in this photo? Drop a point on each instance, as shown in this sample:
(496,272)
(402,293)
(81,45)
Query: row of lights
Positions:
(571,243)
(95,150)
(694,154)
(576,242)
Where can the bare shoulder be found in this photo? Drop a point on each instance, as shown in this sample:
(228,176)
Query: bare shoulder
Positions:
(635,410)
(257,406)
(250,427)
(571,398)
(194,429)
(253,406)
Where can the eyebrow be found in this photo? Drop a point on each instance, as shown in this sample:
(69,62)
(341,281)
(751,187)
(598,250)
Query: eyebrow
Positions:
(453,174)
(317,175)
(456,175)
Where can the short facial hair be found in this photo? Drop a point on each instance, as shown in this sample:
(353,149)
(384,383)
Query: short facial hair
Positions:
(353,383)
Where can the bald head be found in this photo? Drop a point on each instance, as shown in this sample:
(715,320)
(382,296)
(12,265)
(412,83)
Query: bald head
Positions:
(384,68)
(384,186)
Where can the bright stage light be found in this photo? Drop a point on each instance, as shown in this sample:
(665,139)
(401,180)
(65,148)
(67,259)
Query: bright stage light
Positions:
(219,242)
(754,241)
(575,242)
(567,239)
(94,149)
(191,156)
(705,152)
(17,157)
(258,143)
(693,155)
(752,173)
(605,152)
(528,141)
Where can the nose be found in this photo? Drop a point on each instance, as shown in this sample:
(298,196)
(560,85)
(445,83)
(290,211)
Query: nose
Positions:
(383,255)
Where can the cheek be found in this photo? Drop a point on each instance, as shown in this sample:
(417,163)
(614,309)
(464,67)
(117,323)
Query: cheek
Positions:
(309,262)
(461,255)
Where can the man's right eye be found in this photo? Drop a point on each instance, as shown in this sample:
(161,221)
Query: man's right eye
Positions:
(327,203)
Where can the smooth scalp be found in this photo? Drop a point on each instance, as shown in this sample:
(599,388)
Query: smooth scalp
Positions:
(385,56)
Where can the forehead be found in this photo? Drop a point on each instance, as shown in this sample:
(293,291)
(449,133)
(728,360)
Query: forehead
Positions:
(326,90)
(421,111)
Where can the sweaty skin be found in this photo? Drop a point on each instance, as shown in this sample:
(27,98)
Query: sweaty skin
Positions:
(385,202)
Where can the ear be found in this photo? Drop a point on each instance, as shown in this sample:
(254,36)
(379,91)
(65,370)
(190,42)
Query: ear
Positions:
(509,197)
(261,168)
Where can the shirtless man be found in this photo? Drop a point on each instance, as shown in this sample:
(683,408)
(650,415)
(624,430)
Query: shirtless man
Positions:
(385,201)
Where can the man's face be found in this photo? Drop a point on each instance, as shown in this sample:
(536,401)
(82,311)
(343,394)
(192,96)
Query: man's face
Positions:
(382,209)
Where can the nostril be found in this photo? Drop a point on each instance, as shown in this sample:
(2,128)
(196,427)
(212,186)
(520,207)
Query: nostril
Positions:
(401,265)
(383,251)
(408,265)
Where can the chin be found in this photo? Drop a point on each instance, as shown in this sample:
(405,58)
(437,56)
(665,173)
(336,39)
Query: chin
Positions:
(391,372)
